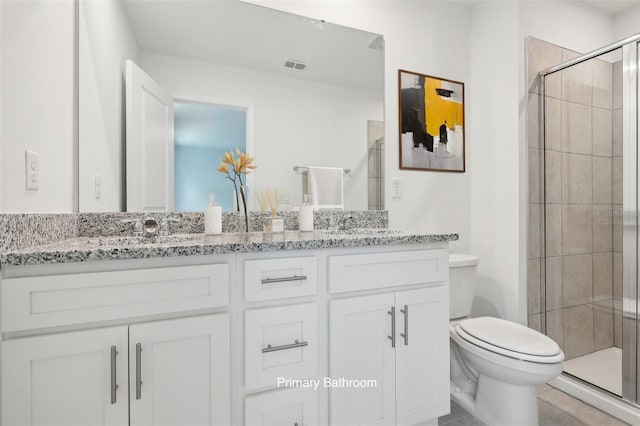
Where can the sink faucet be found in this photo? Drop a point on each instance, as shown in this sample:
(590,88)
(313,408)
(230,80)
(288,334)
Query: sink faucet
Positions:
(341,224)
(164,226)
(146,228)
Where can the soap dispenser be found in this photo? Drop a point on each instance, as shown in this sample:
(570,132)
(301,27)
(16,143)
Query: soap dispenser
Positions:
(212,217)
(305,216)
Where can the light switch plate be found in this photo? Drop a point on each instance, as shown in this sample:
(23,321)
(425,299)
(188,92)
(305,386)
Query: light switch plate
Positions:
(32,170)
(396,188)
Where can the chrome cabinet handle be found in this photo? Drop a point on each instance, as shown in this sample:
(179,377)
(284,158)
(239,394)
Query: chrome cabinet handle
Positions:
(392,312)
(114,385)
(138,371)
(297,344)
(405,311)
(283,279)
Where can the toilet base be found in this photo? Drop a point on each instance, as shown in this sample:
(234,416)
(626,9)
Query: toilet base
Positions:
(500,404)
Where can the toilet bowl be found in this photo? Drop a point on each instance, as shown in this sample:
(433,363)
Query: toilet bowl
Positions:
(495,364)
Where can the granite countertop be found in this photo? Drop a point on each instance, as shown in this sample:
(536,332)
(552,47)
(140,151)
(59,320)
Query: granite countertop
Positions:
(117,248)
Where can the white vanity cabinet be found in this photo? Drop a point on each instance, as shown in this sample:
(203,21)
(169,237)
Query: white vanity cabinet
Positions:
(145,370)
(174,370)
(392,348)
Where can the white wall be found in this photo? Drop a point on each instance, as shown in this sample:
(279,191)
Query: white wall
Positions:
(297,122)
(427,37)
(495,159)
(37,79)
(106,41)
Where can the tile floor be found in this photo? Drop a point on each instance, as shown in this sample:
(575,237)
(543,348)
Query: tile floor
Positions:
(556,408)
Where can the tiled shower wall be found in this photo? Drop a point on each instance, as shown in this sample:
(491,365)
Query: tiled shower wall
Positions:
(574,295)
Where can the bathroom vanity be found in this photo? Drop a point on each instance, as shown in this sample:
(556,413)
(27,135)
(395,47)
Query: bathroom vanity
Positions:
(256,329)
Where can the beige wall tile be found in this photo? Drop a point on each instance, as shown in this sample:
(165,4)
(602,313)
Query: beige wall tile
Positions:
(617,275)
(603,324)
(534,176)
(602,84)
(578,330)
(617,85)
(553,173)
(617,232)
(533,285)
(553,124)
(616,133)
(553,283)
(617,180)
(603,276)
(577,232)
(577,179)
(602,228)
(533,120)
(602,180)
(577,83)
(534,322)
(555,326)
(577,280)
(534,231)
(543,55)
(602,131)
(553,227)
(576,128)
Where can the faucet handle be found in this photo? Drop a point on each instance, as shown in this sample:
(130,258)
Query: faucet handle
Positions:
(164,225)
(138,227)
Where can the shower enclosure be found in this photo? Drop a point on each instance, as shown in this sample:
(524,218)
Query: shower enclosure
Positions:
(583,211)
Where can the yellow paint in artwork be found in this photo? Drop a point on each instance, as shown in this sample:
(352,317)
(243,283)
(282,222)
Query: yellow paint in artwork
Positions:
(439,109)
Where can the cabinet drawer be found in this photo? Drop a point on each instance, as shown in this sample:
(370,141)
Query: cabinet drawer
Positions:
(280,342)
(36,302)
(392,269)
(266,279)
(288,407)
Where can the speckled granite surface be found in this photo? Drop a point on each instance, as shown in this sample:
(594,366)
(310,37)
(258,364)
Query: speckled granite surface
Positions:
(116,248)
(27,230)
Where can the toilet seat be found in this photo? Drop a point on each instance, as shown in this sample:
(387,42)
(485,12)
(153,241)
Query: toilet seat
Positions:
(509,339)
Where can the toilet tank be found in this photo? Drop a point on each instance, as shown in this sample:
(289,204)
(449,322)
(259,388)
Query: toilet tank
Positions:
(462,284)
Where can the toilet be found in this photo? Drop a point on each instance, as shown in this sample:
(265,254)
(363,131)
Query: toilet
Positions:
(495,364)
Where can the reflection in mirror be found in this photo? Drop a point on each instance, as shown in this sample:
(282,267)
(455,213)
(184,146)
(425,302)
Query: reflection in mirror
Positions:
(229,53)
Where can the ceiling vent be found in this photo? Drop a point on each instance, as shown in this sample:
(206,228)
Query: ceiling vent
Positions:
(294,63)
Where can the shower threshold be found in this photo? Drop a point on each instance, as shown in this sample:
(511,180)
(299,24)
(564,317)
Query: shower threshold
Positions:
(602,368)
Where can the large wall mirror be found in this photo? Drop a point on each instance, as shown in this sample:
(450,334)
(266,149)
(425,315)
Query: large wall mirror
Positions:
(216,76)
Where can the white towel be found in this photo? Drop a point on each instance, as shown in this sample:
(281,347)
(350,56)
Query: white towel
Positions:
(325,187)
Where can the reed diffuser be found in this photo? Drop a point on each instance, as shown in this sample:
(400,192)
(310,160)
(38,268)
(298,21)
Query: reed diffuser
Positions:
(269,199)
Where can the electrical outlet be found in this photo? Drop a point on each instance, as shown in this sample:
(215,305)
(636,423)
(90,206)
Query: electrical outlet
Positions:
(32,170)
(396,188)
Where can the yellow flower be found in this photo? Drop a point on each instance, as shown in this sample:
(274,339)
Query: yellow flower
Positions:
(223,168)
(228,158)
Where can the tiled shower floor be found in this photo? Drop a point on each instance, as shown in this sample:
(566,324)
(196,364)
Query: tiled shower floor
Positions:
(602,368)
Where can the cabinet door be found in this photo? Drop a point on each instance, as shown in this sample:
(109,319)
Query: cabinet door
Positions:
(422,360)
(179,371)
(361,350)
(66,379)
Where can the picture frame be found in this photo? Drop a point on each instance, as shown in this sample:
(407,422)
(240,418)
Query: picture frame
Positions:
(431,123)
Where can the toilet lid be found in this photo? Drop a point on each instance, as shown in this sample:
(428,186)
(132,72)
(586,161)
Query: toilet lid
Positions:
(510,336)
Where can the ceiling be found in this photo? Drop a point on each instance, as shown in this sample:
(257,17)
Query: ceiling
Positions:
(244,35)
(613,7)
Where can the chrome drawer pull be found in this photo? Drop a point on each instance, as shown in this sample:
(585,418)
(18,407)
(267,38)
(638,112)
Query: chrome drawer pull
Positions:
(138,371)
(297,344)
(283,279)
(405,311)
(392,312)
(114,385)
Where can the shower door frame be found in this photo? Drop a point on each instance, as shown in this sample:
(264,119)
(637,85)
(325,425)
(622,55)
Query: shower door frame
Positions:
(630,337)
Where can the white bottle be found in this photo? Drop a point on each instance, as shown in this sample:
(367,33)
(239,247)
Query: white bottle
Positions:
(305,216)
(212,217)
